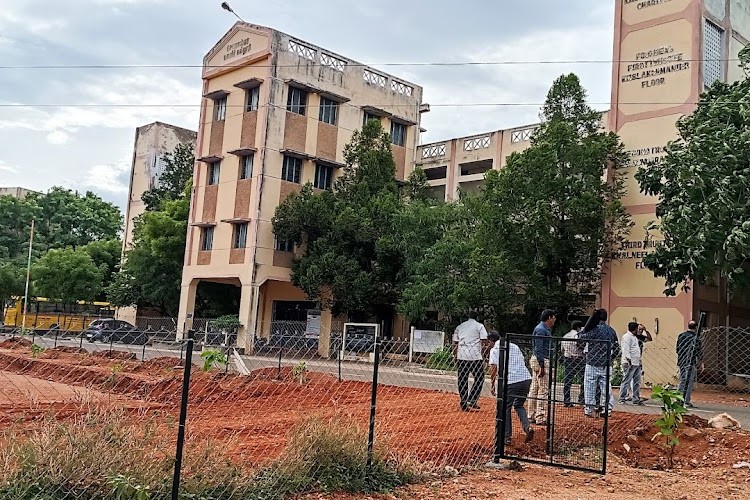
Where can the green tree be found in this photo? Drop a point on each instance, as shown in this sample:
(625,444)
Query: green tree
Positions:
(550,212)
(152,270)
(67,275)
(106,256)
(703,184)
(67,219)
(345,264)
(178,171)
(12,282)
(15,225)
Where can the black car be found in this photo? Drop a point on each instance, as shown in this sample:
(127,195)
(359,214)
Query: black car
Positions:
(114,330)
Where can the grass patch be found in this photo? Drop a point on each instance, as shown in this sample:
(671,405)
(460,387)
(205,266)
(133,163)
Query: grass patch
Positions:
(104,455)
(330,456)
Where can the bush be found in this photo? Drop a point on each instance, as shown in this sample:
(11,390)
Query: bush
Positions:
(329,456)
(442,359)
(103,455)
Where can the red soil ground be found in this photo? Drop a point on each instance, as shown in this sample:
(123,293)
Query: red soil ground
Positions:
(252,415)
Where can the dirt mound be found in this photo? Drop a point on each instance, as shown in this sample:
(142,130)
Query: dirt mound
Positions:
(120,355)
(160,364)
(16,343)
(57,352)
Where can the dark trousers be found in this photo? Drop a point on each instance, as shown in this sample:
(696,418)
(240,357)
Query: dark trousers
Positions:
(476,370)
(574,368)
(516,399)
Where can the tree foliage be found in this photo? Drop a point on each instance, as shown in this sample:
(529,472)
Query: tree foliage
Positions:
(12,282)
(152,270)
(345,264)
(703,184)
(178,171)
(67,275)
(556,217)
(538,233)
(106,256)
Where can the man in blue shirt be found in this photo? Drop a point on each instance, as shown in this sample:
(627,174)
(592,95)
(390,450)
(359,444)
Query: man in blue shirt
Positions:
(599,356)
(539,363)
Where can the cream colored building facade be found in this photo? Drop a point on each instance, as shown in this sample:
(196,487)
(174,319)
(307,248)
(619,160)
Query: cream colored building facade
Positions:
(16,192)
(152,141)
(666,52)
(277,112)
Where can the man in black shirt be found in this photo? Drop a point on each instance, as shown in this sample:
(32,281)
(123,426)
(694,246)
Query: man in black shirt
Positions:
(689,354)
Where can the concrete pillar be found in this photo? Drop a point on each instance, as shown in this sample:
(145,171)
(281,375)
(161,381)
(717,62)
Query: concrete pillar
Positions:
(187,308)
(253,325)
(246,333)
(324,342)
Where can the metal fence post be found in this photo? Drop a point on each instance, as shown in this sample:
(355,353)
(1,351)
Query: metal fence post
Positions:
(183,417)
(551,379)
(80,344)
(605,431)
(501,401)
(281,349)
(373,400)
(340,355)
(57,332)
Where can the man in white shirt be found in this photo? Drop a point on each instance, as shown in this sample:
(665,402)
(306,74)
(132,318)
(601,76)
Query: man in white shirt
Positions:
(518,384)
(469,340)
(631,365)
(574,363)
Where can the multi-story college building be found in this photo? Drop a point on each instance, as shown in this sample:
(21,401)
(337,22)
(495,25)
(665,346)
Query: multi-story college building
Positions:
(277,112)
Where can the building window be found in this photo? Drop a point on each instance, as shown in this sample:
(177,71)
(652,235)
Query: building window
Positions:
(252,97)
(240,235)
(713,53)
(398,133)
(220,109)
(323,176)
(297,101)
(207,238)
(368,117)
(291,169)
(213,173)
(284,245)
(246,166)
(329,111)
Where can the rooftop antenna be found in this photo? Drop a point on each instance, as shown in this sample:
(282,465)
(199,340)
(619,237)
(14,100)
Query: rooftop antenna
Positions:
(228,8)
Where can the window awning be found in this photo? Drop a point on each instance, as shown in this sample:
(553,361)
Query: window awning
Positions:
(210,159)
(242,151)
(216,94)
(203,224)
(250,83)
(297,154)
(237,220)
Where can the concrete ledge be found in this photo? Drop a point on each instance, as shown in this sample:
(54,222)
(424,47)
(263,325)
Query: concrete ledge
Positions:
(167,345)
(429,371)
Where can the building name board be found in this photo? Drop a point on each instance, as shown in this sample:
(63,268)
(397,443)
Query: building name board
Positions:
(237,49)
(646,157)
(652,67)
(645,4)
(637,250)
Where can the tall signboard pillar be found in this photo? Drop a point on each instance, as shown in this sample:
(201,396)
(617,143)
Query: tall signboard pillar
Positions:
(656,80)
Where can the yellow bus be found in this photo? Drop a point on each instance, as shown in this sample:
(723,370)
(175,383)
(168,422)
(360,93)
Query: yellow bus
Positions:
(46,314)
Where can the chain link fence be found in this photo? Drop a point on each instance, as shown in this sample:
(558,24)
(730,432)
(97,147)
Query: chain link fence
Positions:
(87,416)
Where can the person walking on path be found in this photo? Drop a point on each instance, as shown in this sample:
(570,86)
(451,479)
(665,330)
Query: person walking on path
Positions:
(518,384)
(573,363)
(689,355)
(631,366)
(540,367)
(599,355)
(469,340)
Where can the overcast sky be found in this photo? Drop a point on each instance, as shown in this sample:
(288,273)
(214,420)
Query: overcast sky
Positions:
(91,147)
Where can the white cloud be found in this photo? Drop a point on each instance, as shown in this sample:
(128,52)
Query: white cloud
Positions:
(4,167)
(58,137)
(106,178)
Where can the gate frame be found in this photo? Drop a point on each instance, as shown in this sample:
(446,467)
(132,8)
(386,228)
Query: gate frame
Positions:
(501,408)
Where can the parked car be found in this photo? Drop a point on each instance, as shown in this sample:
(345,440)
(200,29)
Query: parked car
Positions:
(106,330)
